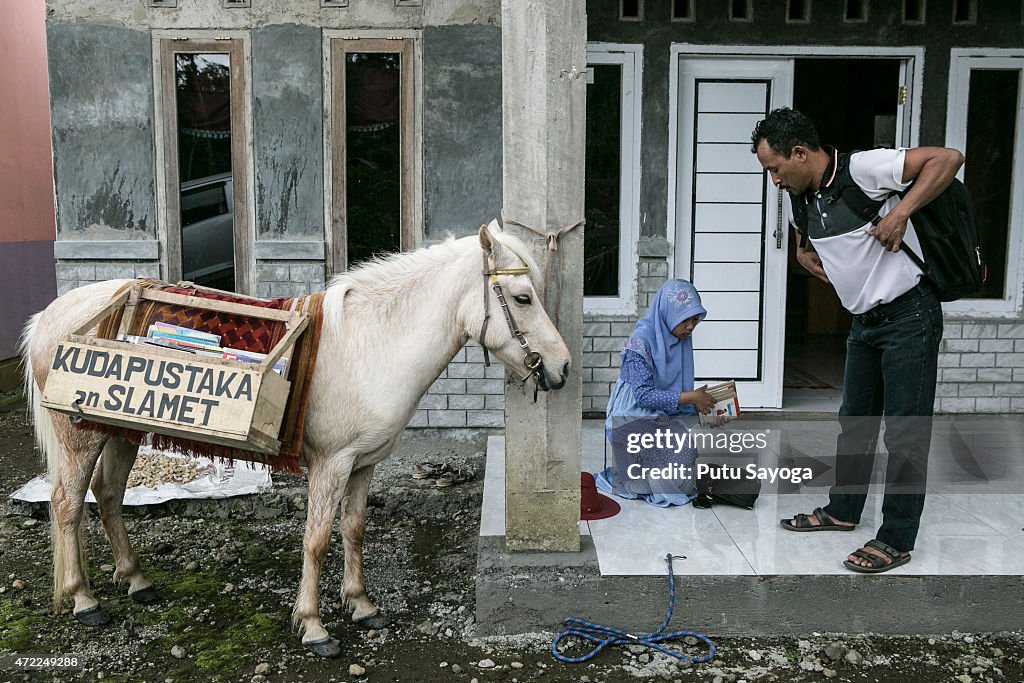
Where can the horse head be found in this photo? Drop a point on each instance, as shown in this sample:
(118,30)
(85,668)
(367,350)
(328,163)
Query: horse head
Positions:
(511,320)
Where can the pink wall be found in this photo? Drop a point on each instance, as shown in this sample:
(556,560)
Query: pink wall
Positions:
(27,226)
(26,178)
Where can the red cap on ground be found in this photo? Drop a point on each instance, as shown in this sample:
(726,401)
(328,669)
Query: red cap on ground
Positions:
(594,505)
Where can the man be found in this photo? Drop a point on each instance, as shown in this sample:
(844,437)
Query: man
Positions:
(892,350)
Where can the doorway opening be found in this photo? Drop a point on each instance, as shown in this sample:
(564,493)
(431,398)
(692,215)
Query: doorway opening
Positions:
(854,104)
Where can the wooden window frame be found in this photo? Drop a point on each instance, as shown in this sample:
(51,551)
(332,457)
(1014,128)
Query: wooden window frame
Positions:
(747,18)
(340,47)
(804,19)
(922,19)
(234,48)
(865,16)
(690,18)
(972,10)
(639,16)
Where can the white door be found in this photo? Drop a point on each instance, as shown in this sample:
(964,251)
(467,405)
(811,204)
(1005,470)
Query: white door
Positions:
(730,232)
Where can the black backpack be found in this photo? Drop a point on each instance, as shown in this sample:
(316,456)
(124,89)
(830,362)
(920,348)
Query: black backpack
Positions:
(953,259)
(741,492)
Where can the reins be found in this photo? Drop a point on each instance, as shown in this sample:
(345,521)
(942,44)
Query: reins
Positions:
(551,236)
(603,636)
(531,359)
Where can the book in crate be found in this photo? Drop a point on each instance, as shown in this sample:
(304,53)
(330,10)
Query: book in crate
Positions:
(200,343)
(175,381)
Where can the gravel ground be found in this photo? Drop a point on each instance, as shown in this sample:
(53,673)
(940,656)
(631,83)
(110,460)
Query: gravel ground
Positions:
(229,571)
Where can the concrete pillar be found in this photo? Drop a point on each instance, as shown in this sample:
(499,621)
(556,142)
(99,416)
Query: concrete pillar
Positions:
(544,59)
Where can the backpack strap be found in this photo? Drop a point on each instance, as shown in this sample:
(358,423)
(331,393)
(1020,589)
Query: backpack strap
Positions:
(845,188)
(799,207)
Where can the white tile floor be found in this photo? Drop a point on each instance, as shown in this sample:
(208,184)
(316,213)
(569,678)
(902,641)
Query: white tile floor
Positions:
(973,522)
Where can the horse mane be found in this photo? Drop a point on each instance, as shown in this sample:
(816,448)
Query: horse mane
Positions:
(383,277)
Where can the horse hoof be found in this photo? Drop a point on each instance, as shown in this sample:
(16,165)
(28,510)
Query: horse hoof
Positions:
(93,616)
(145,596)
(325,647)
(375,620)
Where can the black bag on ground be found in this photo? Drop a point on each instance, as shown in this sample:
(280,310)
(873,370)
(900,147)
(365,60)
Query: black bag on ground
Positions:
(729,485)
(952,257)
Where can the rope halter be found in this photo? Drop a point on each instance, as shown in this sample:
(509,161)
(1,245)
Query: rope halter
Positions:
(531,359)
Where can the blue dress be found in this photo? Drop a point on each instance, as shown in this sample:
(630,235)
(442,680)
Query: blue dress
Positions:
(656,367)
(637,406)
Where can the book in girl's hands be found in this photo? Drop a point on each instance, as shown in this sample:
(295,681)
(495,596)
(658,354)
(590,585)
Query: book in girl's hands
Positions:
(727,405)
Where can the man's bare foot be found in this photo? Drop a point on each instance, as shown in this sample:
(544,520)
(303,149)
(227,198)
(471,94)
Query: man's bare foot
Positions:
(819,520)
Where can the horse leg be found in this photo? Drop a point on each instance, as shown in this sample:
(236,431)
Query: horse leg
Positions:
(327,480)
(353,524)
(108,486)
(77,458)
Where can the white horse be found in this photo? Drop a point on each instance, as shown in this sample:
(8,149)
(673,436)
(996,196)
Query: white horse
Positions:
(390,328)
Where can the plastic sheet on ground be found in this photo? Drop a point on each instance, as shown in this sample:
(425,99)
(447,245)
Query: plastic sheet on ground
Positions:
(214,479)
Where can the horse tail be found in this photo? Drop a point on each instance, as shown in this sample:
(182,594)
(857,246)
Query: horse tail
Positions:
(48,445)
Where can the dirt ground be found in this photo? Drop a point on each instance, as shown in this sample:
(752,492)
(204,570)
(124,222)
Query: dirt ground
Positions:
(228,573)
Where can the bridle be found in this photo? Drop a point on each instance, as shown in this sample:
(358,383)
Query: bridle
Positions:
(531,359)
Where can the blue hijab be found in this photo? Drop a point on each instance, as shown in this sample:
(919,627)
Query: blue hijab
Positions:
(670,359)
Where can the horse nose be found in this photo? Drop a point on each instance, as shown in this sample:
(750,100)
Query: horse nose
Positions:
(565,370)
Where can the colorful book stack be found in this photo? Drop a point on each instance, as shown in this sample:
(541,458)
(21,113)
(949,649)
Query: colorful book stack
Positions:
(175,337)
(253,357)
(199,343)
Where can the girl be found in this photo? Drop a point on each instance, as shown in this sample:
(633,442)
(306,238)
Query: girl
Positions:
(655,393)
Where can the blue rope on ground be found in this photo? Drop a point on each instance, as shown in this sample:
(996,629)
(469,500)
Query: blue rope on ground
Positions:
(604,636)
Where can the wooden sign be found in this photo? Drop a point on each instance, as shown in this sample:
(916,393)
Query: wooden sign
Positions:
(166,391)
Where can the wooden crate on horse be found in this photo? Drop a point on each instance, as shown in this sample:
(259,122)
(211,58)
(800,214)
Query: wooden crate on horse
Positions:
(168,391)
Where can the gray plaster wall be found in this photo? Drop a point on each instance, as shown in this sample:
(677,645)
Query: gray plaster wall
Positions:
(287,88)
(190,14)
(461,128)
(101,94)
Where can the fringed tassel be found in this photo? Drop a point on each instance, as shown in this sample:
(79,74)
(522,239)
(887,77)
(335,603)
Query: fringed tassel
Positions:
(282,462)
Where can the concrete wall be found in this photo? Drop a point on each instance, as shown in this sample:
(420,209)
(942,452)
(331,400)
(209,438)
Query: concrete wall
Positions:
(288,125)
(101,106)
(101,93)
(26,180)
(461,128)
(287,91)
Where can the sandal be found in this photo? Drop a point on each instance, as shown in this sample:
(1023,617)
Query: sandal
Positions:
(889,559)
(429,470)
(825,523)
(454,476)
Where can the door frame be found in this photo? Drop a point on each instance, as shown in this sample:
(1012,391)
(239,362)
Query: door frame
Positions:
(912,124)
(168,179)
(412,144)
(911,73)
(765,389)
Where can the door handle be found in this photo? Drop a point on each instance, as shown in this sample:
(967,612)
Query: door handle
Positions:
(778,222)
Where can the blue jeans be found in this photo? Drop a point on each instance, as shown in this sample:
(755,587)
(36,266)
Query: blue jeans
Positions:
(891,364)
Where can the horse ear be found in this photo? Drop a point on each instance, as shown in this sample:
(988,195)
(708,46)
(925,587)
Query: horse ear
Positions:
(488,240)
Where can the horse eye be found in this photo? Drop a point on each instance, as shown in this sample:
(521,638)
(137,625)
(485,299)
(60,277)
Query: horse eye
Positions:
(523,299)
